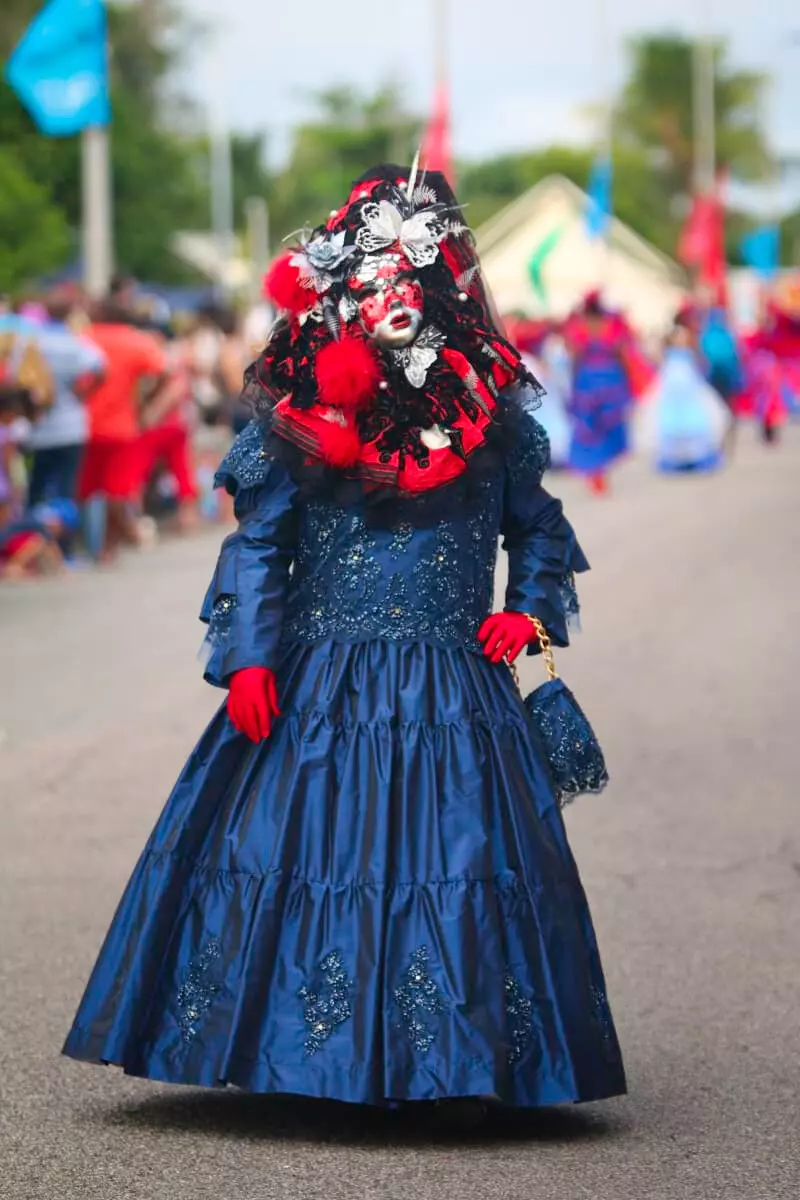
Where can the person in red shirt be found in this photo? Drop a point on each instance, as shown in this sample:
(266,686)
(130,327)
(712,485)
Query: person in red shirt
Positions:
(166,422)
(111,467)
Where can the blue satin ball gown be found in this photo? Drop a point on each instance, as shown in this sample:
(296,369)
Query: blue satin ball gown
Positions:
(379,903)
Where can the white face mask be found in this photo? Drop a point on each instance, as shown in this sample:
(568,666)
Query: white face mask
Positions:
(389,301)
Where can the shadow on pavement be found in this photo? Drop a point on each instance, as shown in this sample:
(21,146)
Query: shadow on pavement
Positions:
(292,1118)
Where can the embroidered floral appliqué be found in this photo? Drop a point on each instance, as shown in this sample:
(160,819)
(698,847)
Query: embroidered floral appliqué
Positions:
(519,1013)
(327,1007)
(418,998)
(199,990)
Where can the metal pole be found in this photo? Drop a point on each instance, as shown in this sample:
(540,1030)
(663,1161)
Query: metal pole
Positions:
(222,216)
(222,207)
(441,49)
(257,242)
(440,31)
(96,215)
(704,108)
(606,138)
(605,92)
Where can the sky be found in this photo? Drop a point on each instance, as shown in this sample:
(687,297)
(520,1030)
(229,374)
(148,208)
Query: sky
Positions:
(523,71)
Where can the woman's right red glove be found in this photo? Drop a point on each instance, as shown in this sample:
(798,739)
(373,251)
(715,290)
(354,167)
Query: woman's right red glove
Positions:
(253,702)
(505,635)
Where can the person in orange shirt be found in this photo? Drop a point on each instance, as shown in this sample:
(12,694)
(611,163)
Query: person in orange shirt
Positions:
(166,429)
(111,467)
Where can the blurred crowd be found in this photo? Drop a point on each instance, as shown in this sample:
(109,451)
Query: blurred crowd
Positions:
(113,416)
(676,403)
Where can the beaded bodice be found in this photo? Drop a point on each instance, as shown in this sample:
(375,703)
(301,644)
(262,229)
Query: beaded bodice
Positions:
(306,566)
(352,582)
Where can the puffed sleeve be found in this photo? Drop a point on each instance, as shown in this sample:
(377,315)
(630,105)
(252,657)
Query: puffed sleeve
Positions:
(244,605)
(543,552)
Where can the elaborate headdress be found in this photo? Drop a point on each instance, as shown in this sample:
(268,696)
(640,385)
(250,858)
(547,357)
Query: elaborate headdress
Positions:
(386,364)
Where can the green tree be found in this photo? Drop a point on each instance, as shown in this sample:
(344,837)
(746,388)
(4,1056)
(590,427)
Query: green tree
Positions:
(790,239)
(159,186)
(349,132)
(51,162)
(26,207)
(251,176)
(655,113)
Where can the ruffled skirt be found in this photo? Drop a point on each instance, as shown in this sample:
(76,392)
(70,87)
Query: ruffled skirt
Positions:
(378,904)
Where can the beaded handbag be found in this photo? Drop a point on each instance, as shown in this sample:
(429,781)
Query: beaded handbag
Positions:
(573,752)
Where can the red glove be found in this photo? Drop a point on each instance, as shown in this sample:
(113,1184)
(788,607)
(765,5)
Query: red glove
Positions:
(253,702)
(505,635)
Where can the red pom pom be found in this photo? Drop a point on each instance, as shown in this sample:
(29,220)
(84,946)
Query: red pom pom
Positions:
(283,287)
(348,373)
(340,446)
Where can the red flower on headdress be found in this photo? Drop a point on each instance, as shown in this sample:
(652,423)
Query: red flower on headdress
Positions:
(283,286)
(348,373)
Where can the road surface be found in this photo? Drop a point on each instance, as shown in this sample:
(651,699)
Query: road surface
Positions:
(688,665)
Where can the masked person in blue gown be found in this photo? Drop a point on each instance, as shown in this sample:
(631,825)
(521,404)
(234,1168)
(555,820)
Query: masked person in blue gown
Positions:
(361,886)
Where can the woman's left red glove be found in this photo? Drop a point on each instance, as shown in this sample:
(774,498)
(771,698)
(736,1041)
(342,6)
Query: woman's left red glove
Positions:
(253,702)
(505,635)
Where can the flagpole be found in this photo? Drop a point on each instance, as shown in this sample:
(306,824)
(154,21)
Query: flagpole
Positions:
(440,41)
(96,213)
(606,139)
(257,216)
(97,197)
(436,148)
(703,103)
(221,166)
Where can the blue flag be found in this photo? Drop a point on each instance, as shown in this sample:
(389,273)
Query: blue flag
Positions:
(761,250)
(598,211)
(59,69)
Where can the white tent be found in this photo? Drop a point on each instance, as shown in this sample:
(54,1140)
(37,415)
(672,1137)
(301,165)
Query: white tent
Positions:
(634,276)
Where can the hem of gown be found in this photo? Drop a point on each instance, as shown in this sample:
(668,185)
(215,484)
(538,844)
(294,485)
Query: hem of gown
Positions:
(346,1087)
(709,462)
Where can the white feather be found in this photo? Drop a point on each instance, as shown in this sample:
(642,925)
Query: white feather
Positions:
(412,179)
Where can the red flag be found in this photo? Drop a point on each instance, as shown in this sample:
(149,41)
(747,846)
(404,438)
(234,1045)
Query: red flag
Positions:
(694,235)
(437,152)
(702,242)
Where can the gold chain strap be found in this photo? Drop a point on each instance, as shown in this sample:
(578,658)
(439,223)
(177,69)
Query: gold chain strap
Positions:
(547,652)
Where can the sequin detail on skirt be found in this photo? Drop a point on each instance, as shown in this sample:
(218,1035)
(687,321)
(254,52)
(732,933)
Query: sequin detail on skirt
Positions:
(604,1019)
(329,1007)
(198,991)
(519,1011)
(419,996)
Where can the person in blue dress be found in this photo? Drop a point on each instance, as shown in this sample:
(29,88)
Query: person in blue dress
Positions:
(683,422)
(361,886)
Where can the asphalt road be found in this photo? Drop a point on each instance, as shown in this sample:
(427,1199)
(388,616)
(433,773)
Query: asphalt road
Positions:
(688,666)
